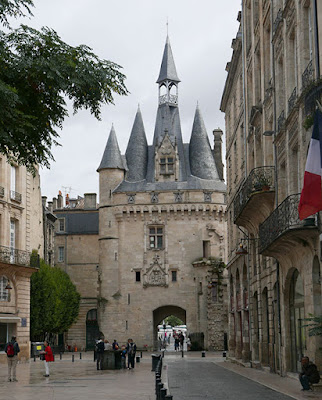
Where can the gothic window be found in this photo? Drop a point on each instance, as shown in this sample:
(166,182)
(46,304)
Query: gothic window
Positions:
(131,199)
(4,293)
(167,166)
(154,198)
(156,237)
(214,292)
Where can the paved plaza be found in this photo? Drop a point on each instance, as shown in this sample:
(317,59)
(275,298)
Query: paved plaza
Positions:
(188,378)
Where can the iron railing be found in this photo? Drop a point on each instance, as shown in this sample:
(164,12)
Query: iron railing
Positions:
(284,218)
(307,76)
(310,99)
(261,178)
(15,196)
(171,99)
(10,255)
(280,121)
(292,100)
(278,19)
(1,191)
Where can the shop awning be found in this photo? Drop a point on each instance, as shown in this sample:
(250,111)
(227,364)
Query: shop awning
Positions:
(9,318)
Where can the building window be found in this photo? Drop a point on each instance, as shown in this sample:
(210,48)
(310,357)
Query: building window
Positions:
(4,293)
(137,276)
(214,292)
(6,332)
(205,248)
(166,165)
(156,237)
(61,254)
(174,276)
(61,225)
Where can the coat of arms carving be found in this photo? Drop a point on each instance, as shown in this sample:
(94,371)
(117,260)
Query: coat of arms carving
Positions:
(155,274)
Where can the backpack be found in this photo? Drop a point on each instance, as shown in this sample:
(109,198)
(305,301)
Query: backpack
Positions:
(99,347)
(131,350)
(10,350)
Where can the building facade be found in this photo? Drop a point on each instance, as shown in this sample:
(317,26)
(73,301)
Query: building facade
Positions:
(161,227)
(274,259)
(21,231)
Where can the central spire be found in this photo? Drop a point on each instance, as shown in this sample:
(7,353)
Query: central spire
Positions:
(168,70)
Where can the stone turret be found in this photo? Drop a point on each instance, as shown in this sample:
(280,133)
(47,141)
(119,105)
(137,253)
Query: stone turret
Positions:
(202,162)
(137,151)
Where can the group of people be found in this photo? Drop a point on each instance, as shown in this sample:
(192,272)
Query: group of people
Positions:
(128,352)
(178,341)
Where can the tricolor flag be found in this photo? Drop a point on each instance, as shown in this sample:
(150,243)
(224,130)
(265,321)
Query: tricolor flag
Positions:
(311,196)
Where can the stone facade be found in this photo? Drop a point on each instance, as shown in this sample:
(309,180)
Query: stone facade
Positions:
(275,274)
(21,231)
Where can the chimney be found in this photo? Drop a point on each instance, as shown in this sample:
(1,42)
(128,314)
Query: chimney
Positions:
(67,200)
(50,206)
(60,200)
(90,201)
(217,152)
(54,203)
(44,201)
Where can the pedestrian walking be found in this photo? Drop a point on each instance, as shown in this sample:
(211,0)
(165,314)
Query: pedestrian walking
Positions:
(12,349)
(48,357)
(99,348)
(131,350)
(309,374)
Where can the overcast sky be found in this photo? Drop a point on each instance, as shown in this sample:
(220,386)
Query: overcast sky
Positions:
(132,33)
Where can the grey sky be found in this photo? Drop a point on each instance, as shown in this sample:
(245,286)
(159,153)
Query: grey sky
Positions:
(132,33)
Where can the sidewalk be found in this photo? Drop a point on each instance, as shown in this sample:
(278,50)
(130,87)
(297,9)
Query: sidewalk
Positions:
(286,385)
(78,380)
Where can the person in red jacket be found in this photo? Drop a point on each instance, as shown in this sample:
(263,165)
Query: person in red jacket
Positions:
(49,357)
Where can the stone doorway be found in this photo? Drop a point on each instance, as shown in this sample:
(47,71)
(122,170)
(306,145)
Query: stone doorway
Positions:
(159,314)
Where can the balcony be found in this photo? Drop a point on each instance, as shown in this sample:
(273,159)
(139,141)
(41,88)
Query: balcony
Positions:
(292,101)
(255,199)
(311,97)
(15,196)
(283,229)
(307,76)
(10,255)
(1,191)
(280,121)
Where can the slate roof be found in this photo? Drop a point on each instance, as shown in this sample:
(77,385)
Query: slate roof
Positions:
(202,162)
(168,69)
(112,156)
(137,151)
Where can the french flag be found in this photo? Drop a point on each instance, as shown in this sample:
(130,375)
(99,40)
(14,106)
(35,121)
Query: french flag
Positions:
(311,196)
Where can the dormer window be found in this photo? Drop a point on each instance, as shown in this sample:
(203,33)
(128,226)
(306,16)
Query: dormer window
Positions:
(167,166)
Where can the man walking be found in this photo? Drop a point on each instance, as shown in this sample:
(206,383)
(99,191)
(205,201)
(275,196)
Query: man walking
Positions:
(12,349)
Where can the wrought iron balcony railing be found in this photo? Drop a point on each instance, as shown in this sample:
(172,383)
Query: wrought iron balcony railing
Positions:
(1,191)
(284,218)
(311,97)
(280,121)
(292,100)
(259,179)
(307,76)
(15,196)
(10,255)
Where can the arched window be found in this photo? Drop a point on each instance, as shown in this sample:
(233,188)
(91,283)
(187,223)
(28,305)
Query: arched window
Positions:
(4,293)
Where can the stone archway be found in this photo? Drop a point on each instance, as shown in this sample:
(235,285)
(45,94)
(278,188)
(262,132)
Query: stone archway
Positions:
(160,313)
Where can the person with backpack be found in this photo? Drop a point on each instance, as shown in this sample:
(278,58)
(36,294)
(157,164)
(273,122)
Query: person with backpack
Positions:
(131,350)
(12,349)
(99,350)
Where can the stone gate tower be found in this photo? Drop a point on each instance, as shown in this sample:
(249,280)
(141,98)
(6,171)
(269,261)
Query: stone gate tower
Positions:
(161,227)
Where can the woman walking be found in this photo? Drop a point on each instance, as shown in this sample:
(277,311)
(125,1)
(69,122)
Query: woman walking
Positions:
(49,357)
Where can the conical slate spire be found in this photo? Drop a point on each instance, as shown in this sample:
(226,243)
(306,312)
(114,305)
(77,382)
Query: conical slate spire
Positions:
(202,163)
(137,151)
(168,69)
(112,156)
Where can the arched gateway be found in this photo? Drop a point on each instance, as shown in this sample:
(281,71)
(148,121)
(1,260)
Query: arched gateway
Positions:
(161,226)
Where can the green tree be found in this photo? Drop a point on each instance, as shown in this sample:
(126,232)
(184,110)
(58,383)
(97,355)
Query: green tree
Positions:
(37,72)
(54,301)
(315,325)
(173,320)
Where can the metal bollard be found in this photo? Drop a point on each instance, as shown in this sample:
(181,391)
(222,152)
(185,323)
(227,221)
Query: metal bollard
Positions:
(157,381)
(60,355)
(203,354)
(80,356)
(224,354)
(168,397)
(163,393)
(159,387)
(34,358)
(182,353)
(137,358)
(141,354)
(73,358)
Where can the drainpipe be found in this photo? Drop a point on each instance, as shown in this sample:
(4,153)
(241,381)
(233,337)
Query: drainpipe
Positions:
(244,86)
(276,190)
(316,39)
